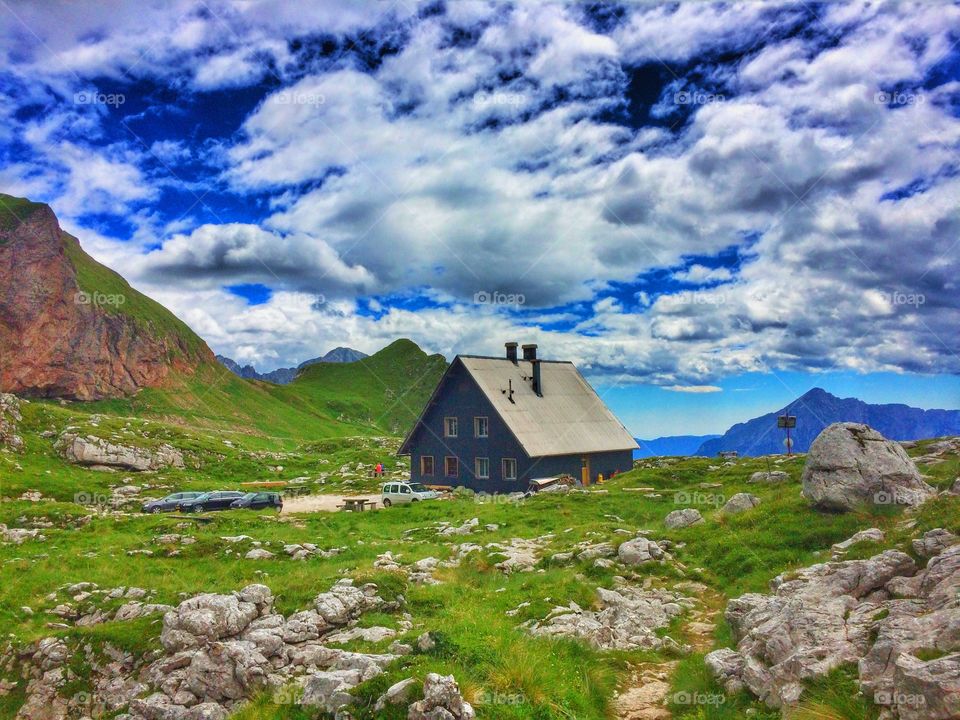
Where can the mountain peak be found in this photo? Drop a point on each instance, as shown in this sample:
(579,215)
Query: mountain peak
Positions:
(72,327)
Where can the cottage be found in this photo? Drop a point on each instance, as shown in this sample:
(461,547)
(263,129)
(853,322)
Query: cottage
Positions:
(495,423)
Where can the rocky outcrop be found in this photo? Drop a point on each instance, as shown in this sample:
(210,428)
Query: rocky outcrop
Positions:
(61,339)
(773,477)
(852,466)
(219,650)
(627,619)
(94,451)
(899,625)
(9,419)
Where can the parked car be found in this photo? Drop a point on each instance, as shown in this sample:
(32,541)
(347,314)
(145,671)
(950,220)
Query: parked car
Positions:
(169,503)
(219,500)
(258,501)
(399,493)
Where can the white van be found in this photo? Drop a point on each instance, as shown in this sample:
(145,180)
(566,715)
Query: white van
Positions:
(398,493)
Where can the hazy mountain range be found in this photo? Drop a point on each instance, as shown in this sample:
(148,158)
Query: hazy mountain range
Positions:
(671,445)
(282,376)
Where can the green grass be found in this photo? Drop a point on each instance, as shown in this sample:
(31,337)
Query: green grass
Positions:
(505,671)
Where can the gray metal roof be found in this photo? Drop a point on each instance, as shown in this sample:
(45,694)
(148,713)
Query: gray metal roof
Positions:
(568,419)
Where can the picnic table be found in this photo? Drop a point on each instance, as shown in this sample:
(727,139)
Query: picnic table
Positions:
(357,504)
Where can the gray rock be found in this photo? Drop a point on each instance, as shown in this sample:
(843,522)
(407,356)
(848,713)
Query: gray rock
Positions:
(740,503)
(258,554)
(330,689)
(934,542)
(9,419)
(772,477)
(396,694)
(870,535)
(851,465)
(638,551)
(683,518)
(92,450)
(425,643)
(441,700)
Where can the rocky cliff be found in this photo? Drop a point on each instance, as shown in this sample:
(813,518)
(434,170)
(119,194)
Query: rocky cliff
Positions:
(72,328)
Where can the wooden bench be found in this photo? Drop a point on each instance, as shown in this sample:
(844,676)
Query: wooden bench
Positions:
(357,504)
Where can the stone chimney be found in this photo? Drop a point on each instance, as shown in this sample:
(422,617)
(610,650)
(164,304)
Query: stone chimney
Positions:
(511,352)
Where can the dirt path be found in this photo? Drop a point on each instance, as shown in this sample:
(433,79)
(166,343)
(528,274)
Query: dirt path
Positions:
(646,694)
(320,503)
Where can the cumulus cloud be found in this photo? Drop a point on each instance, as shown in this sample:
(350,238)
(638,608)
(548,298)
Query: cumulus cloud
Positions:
(432,156)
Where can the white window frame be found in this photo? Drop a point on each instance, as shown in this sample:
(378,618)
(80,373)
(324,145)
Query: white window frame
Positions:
(503,468)
(476,468)
(448,422)
(476,426)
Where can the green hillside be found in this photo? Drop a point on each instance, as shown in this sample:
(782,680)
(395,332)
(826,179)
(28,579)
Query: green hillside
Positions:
(386,390)
(381,394)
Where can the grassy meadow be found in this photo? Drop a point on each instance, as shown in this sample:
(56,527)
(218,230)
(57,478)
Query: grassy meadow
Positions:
(502,669)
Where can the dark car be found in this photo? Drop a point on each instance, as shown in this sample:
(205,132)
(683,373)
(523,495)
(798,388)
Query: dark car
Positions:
(258,501)
(219,500)
(169,503)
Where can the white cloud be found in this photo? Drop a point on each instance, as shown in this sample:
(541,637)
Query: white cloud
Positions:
(694,388)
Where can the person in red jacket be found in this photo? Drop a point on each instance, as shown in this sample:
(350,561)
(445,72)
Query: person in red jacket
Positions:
(378,470)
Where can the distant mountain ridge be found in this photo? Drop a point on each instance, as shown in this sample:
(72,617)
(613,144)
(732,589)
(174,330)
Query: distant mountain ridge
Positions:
(671,445)
(816,409)
(283,376)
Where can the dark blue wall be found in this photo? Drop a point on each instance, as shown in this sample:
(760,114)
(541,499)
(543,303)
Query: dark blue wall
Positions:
(460,397)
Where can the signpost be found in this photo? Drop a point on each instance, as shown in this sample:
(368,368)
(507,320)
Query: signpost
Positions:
(787,422)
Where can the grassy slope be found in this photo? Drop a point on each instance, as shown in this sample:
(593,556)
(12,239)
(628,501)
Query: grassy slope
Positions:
(386,390)
(479,643)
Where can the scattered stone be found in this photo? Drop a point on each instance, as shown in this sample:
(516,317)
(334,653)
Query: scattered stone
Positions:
(683,518)
(870,535)
(10,417)
(258,554)
(739,503)
(425,643)
(773,477)
(441,701)
(638,551)
(934,542)
(396,694)
(851,465)
(627,620)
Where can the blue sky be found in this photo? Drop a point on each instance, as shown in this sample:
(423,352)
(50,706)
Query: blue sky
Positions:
(703,205)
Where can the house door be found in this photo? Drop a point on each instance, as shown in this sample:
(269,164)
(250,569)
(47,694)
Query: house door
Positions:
(585,470)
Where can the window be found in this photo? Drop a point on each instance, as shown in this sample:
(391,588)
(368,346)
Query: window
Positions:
(426,465)
(481,467)
(481,428)
(509,469)
(404,490)
(449,427)
(450,466)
